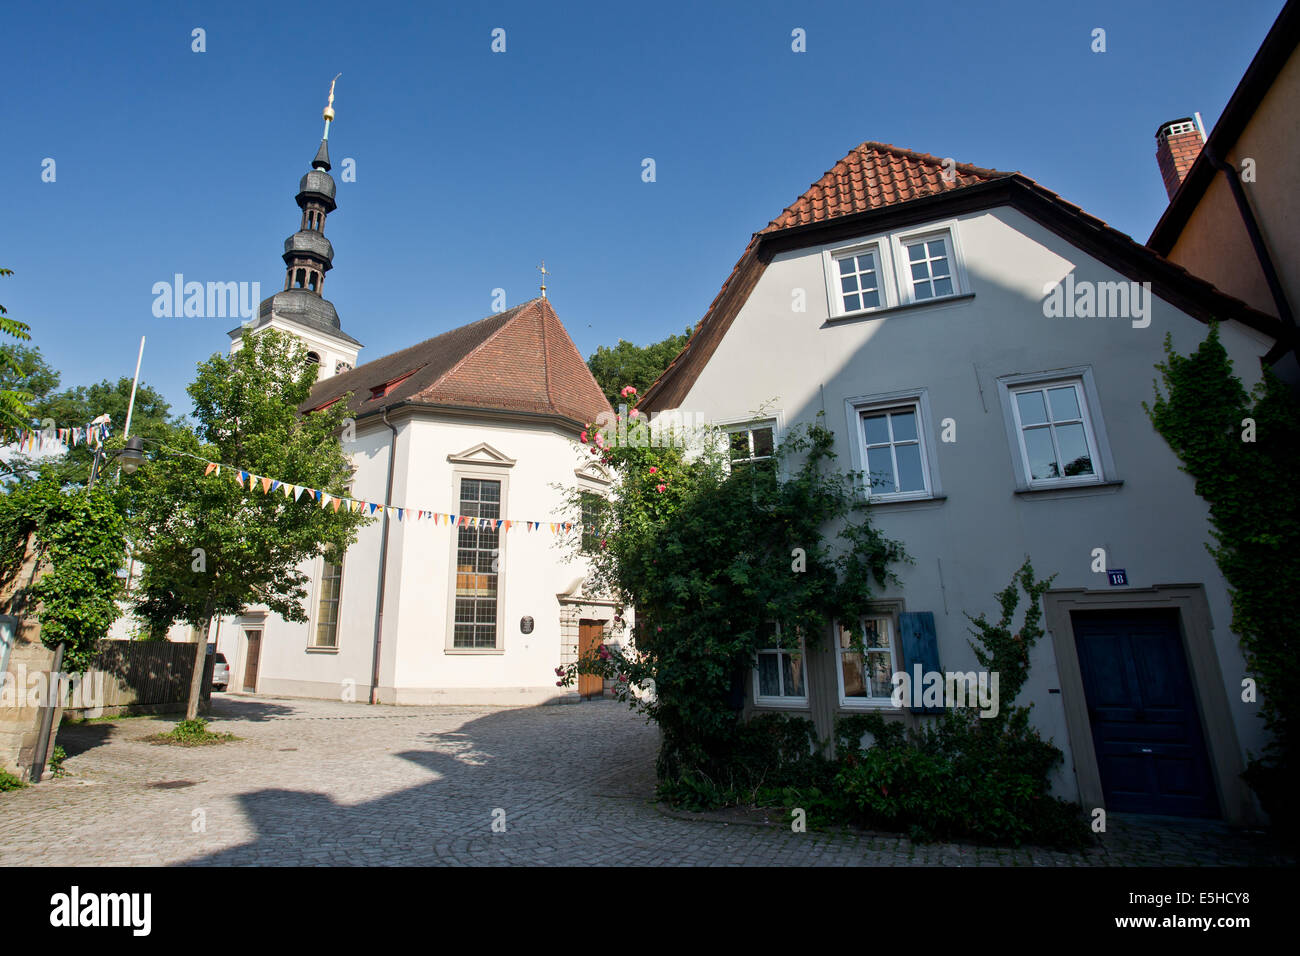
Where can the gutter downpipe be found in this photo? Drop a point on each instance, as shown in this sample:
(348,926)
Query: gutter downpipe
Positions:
(383,563)
(1256,239)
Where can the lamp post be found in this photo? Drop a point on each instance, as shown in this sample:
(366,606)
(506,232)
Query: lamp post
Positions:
(129,457)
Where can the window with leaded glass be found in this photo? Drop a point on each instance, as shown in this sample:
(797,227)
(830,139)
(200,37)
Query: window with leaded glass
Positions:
(327,607)
(477,569)
(593,511)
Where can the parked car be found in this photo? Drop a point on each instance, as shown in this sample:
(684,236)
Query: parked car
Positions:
(220,672)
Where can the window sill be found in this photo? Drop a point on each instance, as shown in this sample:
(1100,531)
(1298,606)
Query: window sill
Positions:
(473,651)
(917,503)
(772,703)
(1071,491)
(322,650)
(873,313)
(883,705)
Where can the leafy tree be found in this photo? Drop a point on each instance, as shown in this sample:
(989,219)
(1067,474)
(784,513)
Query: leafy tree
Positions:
(1243,450)
(711,557)
(80,533)
(212,547)
(13,399)
(27,370)
(635,365)
(151,418)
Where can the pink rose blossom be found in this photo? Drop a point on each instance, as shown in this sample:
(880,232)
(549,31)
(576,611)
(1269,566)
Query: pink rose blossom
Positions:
(633,413)
(654,470)
(584,436)
(627,390)
(660,488)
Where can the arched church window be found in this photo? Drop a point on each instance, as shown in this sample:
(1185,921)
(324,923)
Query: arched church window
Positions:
(313,358)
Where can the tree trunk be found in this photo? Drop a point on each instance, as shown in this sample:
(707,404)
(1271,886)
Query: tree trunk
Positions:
(196,679)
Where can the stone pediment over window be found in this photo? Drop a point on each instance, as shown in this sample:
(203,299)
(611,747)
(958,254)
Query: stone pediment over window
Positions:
(481,454)
(595,471)
(583,590)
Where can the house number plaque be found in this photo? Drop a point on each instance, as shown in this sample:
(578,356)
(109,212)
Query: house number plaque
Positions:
(526,625)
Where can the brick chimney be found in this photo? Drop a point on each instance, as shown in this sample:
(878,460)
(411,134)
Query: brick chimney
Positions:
(1178,143)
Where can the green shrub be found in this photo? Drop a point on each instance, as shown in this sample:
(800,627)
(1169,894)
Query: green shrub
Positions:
(57,756)
(192,733)
(9,782)
(964,776)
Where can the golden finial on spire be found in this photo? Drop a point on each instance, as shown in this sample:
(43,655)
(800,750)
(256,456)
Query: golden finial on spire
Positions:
(542,270)
(328,113)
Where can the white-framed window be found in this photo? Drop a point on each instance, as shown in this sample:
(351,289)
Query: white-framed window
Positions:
(1055,437)
(929,264)
(859,277)
(866,662)
(751,442)
(475,615)
(893,449)
(860,280)
(780,676)
(327,603)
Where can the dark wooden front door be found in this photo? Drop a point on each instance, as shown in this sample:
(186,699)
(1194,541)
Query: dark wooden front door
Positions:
(1145,727)
(591,634)
(251,657)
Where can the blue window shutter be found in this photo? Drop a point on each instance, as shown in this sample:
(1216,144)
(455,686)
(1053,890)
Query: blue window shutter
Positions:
(920,646)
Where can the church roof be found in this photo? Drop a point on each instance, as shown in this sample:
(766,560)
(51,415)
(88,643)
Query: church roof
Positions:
(519,360)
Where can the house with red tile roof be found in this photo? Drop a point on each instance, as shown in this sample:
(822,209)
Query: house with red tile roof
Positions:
(466,588)
(981,349)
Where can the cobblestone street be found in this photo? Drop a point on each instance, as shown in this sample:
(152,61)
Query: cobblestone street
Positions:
(318,782)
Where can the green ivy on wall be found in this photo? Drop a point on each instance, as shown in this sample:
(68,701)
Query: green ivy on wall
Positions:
(81,534)
(1243,450)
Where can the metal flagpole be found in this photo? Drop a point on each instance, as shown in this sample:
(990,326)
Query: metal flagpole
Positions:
(130,409)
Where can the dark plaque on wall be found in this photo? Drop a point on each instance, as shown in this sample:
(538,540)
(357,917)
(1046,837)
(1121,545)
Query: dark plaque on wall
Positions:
(526,625)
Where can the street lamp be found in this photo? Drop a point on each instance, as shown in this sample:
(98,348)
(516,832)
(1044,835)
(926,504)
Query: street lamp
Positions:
(129,457)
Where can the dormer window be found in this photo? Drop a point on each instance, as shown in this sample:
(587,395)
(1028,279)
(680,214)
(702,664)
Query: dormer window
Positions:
(379,391)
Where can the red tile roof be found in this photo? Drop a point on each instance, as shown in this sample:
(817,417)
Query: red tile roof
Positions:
(519,360)
(874,175)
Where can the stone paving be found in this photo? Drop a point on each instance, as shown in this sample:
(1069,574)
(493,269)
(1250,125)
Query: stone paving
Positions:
(325,783)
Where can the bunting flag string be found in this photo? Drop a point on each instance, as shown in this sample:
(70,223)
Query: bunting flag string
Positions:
(37,440)
(294,492)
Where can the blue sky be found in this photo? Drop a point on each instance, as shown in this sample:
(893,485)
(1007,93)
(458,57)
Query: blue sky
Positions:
(472,166)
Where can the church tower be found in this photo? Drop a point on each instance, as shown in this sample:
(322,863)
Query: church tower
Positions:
(301,308)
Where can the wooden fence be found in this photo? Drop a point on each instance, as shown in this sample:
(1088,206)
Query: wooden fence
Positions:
(137,677)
